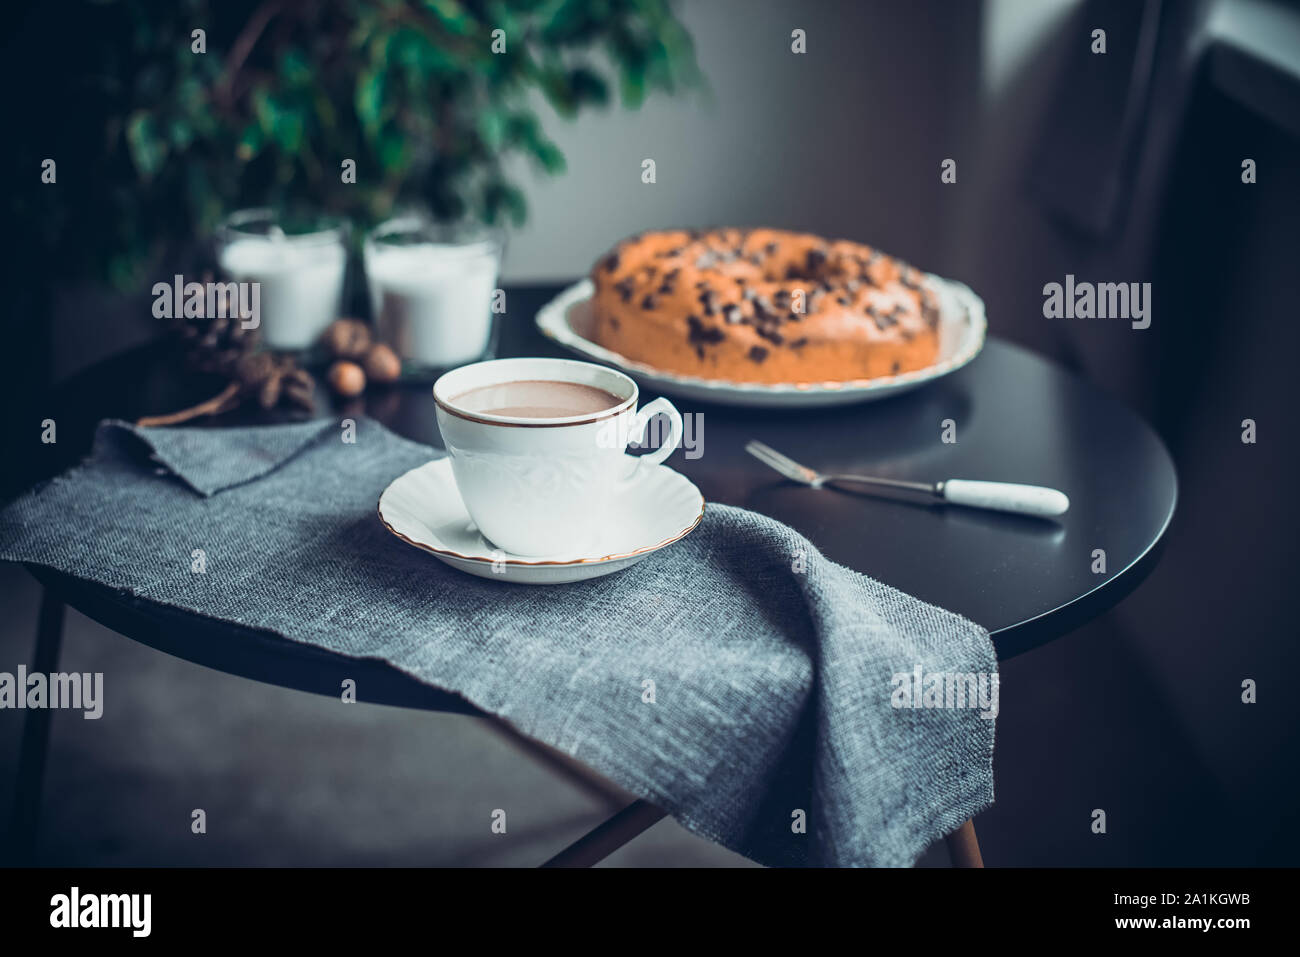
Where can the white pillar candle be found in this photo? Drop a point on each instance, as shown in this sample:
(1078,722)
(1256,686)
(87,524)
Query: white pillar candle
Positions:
(301,279)
(431,299)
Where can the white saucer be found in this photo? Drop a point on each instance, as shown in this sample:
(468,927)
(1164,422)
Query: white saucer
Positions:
(567,320)
(424,509)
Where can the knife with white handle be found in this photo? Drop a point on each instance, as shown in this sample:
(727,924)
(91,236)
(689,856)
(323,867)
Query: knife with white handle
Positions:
(1005,497)
(1033,500)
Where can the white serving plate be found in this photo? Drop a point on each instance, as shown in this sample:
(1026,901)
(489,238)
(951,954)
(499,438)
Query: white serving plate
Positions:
(423,508)
(962,326)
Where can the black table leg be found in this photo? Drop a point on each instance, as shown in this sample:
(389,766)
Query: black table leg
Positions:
(596,845)
(604,840)
(21,846)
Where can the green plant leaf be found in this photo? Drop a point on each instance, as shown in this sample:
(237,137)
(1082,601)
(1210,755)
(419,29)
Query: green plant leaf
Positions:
(370,100)
(493,126)
(250,142)
(148,148)
(180,133)
(393,152)
(295,70)
(550,156)
(588,86)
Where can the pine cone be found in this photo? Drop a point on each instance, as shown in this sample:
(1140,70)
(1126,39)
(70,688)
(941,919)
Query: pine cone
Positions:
(253,369)
(213,344)
(274,378)
(221,345)
(299,387)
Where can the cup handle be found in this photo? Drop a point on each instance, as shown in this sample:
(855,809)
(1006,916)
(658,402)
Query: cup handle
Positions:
(637,432)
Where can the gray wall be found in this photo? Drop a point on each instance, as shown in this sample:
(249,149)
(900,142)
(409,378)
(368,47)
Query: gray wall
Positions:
(845,139)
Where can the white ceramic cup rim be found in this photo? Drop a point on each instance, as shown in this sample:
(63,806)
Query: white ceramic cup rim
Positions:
(498,371)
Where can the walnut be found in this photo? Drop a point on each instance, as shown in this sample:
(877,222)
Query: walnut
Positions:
(347,338)
(381,364)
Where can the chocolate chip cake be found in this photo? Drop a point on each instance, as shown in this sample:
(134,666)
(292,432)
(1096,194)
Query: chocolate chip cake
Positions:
(763,305)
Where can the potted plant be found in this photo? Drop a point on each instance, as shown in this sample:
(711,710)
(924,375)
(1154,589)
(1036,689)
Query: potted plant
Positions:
(349,107)
(185,112)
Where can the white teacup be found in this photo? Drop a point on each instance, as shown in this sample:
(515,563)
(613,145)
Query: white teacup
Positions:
(545,486)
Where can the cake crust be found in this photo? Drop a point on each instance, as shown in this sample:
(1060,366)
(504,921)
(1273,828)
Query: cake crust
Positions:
(763,305)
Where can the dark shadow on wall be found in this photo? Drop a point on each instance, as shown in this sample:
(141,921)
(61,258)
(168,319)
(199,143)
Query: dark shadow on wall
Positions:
(1221,258)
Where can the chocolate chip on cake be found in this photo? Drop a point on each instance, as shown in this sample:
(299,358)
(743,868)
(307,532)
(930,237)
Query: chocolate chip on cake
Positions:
(799,343)
(624,289)
(757,353)
(700,334)
(611,262)
(771,335)
(648,302)
(815,260)
(883,320)
(733,314)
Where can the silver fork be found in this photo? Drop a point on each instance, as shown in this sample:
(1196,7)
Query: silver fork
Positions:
(998,496)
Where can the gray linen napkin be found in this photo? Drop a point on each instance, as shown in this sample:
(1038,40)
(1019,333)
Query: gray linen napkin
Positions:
(774,669)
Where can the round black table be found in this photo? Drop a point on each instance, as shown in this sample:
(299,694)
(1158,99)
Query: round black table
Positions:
(1017,418)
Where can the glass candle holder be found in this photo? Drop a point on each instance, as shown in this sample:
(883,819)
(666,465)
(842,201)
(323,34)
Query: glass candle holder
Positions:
(432,290)
(299,263)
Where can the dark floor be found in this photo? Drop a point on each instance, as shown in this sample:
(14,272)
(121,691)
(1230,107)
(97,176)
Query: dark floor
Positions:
(288,778)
